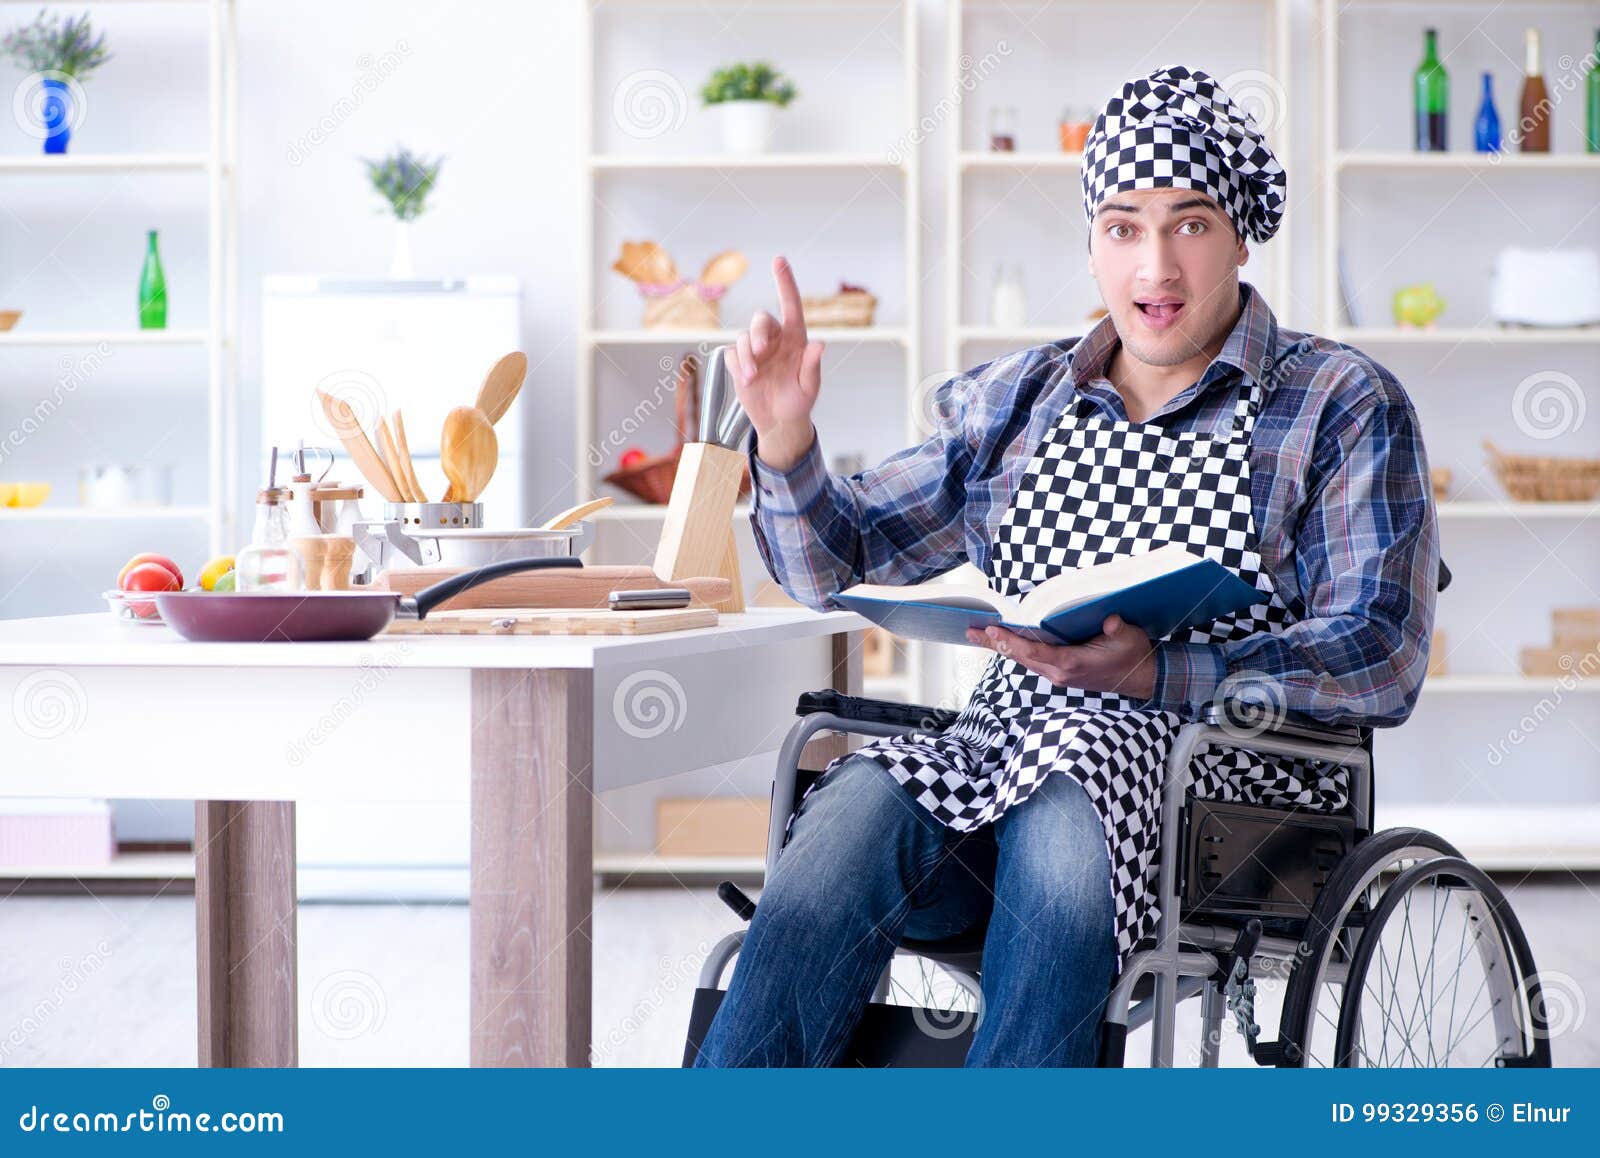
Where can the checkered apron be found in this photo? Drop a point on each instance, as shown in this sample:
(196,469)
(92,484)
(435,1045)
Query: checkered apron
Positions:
(1097,489)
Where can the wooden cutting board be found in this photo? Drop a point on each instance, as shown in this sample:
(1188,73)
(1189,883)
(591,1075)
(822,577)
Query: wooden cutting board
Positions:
(557,587)
(555,621)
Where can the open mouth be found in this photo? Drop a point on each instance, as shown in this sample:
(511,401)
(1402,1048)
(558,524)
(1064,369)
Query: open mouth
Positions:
(1160,313)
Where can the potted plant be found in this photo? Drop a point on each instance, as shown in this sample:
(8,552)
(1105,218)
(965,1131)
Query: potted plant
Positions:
(746,96)
(59,53)
(404,181)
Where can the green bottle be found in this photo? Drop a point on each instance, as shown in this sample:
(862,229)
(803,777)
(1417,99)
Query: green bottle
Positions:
(1432,98)
(1593,81)
(152,290)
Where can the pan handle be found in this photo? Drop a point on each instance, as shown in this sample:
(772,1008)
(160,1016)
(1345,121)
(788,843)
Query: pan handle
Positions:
(418,606)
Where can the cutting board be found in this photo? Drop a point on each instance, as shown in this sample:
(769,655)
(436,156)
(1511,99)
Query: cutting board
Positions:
(555,621)
(556,587)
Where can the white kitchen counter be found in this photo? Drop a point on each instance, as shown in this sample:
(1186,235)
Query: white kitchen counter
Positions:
(98,640)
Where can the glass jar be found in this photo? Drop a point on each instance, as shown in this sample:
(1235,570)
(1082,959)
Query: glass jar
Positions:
(269,563)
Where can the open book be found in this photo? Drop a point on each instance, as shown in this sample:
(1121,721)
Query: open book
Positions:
(1167,589)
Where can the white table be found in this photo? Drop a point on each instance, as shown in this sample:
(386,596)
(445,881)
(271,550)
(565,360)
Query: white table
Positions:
(102,709)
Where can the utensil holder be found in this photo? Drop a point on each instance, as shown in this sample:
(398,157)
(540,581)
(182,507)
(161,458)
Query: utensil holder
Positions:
(428,515)
(697,533)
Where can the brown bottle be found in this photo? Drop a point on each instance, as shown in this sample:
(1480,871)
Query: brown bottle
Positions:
(1533,125)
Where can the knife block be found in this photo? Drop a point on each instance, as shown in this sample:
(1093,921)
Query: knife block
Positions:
(697,533)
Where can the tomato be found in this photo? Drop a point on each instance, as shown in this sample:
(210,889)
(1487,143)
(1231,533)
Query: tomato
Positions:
(631,456)
(142,560)
(148,577)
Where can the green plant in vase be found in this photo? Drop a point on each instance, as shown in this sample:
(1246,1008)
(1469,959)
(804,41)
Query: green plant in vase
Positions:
(405,181)
(747,96)
(59,53)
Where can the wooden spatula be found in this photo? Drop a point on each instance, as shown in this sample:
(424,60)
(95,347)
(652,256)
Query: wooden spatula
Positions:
(572,514)
(358,446)
(407,467)
(468,451)
(500,386)
(391,459)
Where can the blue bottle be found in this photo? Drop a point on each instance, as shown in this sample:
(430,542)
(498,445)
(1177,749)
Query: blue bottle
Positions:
(1486,130)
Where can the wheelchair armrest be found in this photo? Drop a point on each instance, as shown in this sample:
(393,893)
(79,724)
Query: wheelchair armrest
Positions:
(1242,713)
(918,716)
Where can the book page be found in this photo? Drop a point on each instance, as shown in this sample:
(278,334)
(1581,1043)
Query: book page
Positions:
(1073,587)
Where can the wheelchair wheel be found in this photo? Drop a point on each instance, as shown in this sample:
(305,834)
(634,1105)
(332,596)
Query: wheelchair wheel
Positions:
(1412,956)
(1467,1008)
(946,1001)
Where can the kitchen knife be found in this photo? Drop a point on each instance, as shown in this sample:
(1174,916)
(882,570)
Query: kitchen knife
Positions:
(715,394)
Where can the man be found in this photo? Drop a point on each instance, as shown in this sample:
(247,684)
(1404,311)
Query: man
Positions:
(1187,415)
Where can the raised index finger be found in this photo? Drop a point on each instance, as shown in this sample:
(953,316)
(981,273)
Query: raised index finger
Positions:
(788,295)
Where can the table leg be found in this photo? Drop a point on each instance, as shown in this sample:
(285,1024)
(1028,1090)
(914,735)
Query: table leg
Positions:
(532,866)
(245,937)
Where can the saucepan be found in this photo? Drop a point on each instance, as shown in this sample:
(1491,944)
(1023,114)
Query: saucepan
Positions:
(320,616)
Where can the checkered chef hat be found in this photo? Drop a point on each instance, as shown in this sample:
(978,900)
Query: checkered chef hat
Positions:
(1178,128)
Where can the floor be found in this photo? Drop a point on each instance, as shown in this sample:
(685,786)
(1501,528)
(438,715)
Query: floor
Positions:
(111,981)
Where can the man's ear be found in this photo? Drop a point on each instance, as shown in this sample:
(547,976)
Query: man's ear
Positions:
(1243,253)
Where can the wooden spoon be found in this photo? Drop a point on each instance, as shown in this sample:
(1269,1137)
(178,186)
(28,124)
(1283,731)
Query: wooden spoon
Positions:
(468,451)
(500,385)
(572,514)
(358,446)
(407,467)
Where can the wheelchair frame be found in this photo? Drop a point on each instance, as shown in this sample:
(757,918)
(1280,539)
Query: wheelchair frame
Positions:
(1188,958)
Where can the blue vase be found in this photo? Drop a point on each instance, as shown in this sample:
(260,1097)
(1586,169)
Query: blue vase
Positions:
(56,115)
(1486,130)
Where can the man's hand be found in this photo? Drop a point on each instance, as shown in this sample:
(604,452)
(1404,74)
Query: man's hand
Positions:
(1121,660)
(776,374)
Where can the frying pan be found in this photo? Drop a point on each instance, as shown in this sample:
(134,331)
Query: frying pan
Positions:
(320,616)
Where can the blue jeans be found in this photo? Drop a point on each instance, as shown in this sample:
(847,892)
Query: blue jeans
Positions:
(867,865)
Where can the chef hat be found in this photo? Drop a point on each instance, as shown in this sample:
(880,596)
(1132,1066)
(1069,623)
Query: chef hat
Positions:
(1178,128)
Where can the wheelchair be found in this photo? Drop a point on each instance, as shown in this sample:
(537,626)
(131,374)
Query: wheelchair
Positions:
(1393,950)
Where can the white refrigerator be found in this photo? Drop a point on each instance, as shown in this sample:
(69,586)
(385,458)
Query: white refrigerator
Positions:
(422,346)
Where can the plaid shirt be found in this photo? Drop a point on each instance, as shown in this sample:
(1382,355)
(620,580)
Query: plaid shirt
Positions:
(1339,485)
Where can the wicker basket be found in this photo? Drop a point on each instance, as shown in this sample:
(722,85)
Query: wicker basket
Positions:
(683,308)
(852,307)
(1536,478)
(651,480)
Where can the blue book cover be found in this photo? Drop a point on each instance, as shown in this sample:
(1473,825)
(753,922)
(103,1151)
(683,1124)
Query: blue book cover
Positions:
(1188,594)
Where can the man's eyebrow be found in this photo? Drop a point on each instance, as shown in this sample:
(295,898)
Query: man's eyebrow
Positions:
(1172,208)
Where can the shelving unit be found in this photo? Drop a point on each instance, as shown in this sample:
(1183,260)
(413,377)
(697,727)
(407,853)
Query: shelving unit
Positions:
(218,164)
(964,164)
(1538,823)
(897,167)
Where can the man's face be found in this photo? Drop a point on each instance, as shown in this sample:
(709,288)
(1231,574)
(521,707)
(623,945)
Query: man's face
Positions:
(1167,263)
